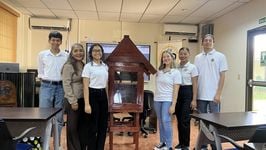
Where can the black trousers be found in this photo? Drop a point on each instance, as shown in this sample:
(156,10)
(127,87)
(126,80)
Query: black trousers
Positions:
(182,111)
(73,142)
(94,125)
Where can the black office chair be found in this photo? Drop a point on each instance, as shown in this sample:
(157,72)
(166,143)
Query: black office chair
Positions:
(258,137)
(7,142)
(147,112)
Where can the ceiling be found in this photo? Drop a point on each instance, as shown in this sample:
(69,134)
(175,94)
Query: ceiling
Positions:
(144,11)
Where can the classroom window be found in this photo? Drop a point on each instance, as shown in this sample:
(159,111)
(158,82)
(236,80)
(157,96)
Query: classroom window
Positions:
(8,34)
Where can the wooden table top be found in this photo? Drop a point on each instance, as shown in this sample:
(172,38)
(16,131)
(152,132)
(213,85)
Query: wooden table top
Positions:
(233,119)
(27,113)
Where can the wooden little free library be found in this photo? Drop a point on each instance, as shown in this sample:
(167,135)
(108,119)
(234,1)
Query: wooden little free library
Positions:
(127,66)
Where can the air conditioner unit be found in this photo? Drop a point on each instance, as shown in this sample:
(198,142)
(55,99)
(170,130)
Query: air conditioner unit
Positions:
(180,29)
(50,24)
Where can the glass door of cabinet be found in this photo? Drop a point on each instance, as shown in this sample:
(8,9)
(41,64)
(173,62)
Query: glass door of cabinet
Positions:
(256,70)
(125,87)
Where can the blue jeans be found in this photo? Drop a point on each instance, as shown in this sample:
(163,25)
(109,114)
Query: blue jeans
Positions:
(165,122)
(208,107)
(52,96)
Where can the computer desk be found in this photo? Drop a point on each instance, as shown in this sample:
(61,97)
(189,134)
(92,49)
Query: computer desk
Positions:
(18,119)
(236,125)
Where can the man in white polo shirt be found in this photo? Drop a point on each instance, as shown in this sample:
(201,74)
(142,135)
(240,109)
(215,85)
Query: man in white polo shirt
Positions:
(50,63)
(211,66)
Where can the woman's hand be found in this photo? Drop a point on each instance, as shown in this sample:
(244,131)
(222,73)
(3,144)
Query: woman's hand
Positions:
(171,109)
(75,106)
(88,109)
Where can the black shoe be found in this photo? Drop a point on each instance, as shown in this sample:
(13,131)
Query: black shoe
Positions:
(178,147)
(185,148)
(159,146)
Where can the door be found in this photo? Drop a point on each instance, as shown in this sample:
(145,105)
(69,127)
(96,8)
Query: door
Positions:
(256,70)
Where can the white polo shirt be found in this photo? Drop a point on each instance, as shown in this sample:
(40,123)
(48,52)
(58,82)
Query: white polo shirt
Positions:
(97,73)
(165,84)
(187,72)
(50,65)
(209,67)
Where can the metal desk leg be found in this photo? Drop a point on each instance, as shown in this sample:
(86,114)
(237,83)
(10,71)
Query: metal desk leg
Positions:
(217,139)
(47,134)
(56,134)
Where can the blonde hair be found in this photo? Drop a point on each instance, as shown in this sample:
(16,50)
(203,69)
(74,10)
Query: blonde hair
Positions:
(162,65)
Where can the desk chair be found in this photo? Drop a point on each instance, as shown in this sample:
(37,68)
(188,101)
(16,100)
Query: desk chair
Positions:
(8,93)
(147,112)
(257,139)
(7,142)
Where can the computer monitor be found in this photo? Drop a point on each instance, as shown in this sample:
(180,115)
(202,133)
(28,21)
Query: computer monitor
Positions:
(9,67)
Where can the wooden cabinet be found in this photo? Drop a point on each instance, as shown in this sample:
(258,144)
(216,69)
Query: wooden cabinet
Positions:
(127,66)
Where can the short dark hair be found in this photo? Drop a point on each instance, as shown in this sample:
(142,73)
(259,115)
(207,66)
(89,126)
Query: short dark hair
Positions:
(184,48)
(55,34)
(207,35)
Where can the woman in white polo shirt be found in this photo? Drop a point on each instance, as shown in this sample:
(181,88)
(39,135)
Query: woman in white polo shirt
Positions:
(168,79)
(186,98)
(95,77)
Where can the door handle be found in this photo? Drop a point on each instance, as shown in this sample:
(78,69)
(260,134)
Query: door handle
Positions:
(250,82)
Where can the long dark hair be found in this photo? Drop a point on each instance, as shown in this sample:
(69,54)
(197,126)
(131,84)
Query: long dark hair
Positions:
(71,60)
(90,51)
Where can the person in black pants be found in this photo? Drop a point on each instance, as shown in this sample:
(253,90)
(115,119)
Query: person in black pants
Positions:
(73,89)
(95,77)
(186,98)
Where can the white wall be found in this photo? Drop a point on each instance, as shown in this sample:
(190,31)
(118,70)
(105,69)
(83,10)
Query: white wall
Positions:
(230,33)
(31,42)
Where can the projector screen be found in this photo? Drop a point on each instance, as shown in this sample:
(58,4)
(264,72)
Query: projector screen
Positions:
(108,49)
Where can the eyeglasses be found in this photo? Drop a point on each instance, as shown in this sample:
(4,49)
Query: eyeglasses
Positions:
(97,50)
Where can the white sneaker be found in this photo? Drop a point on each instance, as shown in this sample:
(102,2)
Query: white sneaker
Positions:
(160,146)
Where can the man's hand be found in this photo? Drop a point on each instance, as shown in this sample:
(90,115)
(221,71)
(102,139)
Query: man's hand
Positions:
(217,98)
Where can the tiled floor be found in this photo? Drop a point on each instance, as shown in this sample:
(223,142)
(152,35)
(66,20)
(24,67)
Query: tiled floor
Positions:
(124,142)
